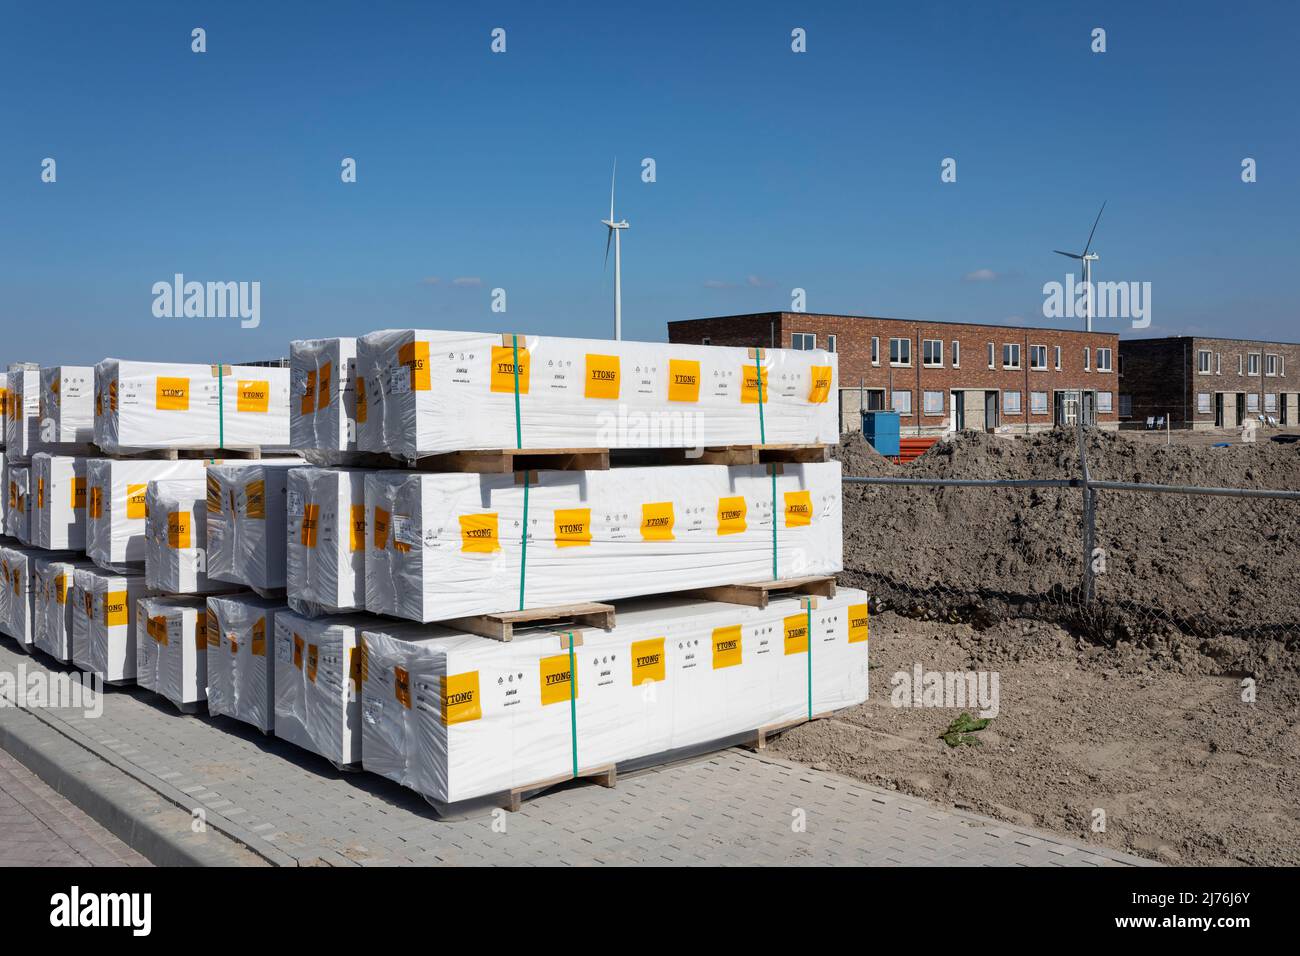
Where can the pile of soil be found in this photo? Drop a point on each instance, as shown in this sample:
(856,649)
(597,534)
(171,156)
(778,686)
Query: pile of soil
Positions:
(1222,570)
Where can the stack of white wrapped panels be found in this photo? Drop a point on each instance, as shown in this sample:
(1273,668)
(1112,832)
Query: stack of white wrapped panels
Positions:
(55,603)
(175,537)
(103,622)
(67,405)
(20,589)
(171,649)
(323,394)
(241,675)
(246,522)
(317,699)
(326,540)
(18,509)
(116,491)
(59,514)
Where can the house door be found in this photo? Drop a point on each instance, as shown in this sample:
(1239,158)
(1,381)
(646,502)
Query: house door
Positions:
(875,399)
(1089,408)
(959,411)
(1218,409)
(1241,408)
(1067,408)
(990,410)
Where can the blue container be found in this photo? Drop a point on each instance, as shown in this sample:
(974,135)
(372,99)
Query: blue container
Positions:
(881,430)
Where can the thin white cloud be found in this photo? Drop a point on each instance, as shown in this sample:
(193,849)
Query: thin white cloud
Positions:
(467,281)
(758,282)
(980,275)
(430,280)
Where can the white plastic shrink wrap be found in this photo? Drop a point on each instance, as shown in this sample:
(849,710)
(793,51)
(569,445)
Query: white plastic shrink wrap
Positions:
(4,407)
(323,394)
(18,600)
(326,540)
(456,717)
(55,587)
(18,510)
(426,392)
(246,511)
(241,675)
(22,418)
(103,622)
(116,504)
(441,546)
(171,649)
(67,405)
(144,405)
(176,537)
(317,703)
(59,507)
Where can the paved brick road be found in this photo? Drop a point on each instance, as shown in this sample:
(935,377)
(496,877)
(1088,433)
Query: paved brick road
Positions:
(731,807)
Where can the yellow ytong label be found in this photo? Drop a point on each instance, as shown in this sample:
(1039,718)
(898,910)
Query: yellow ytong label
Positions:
(157,629)
(112,394)
(358,528)
(115,608)
(214,495)
(503,368)
(326,377)
(201,631)
(726,646)
(749,386)
(657,521)
(479,534)
(96,502)
(798,509)
(647,661)
(402,686)
(78,493)
(310,524)
(796,634)
(40,492)
(821,384)
(135,501)
(13,494)
(602,379)
(253,396)
(572,527)
(381,528)
(259,637)
(213,632)
(255,499)
(557,681)
(178,529)
(359,663)
(61,589)
(858,622)
(313,658)
(298,645)
(731,515)
(460,698)
(234,643)
(173,395)
(415,356)
(307,404)
(361,400)
(683,380)
(88,600)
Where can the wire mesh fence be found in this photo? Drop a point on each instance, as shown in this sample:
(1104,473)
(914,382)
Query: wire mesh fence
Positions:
(1115,560)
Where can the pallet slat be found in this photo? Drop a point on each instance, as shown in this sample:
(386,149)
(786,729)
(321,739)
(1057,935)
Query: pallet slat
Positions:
(500,627)
(759,593)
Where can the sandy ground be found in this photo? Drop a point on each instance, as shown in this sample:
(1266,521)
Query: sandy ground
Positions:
(1159,739)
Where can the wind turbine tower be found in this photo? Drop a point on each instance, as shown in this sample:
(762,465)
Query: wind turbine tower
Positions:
(1085,257)
(615,227)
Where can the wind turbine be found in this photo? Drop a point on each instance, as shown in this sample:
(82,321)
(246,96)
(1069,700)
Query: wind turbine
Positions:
(615,226)
(1087,259)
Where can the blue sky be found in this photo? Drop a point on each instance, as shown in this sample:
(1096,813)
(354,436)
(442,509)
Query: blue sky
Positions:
(775,170)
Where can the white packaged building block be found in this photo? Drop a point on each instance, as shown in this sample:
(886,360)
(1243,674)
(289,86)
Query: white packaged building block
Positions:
(241,672)
(143,405)
(116,494)
(4,494)
(456,717)
(18,601)
(22,421)
(55,604)
(426,392)
(441,546)
(67,405)
(103,622)
(59,514)
(18,511)
(175,559)
(171,649)
(4,407)
(246,522)
(317,703)
(326,540)
(323,394)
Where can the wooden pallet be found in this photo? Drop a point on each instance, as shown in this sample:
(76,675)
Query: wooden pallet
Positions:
(734,455)
(187,454)
(763,734)
(758,594)
(501,627)
(496,461)
(606,776)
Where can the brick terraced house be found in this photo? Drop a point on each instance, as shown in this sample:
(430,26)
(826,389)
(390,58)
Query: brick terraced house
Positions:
(942,376)
(1205,383)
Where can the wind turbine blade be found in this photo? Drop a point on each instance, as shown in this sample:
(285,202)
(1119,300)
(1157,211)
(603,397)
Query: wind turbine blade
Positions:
(609,237)
(612,177)
(1094,227)
(1068,255)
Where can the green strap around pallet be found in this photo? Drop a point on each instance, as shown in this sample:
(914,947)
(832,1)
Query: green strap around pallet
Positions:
(573,704)
(221,407)
(519,443)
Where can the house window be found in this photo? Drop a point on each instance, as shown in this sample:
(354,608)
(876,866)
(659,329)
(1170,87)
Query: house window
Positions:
(706,341)
(1252,402)
(1103,360)
(1125,403)
(932,353)
(934,403)
(902,402)
(1239,366)
(1038,403)
(803,341)
(956,354)
(830,343)
(1203,362)
(875,350)
(1270,364)
(1121,363)
(1270,401)
(1011,355)
(1252,364)
(1038,357)
(1218,363)
(1203,403)
(900,352)
(992,352)
(1087,359)
(1011,403)
(1104,402)
(1057,357)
